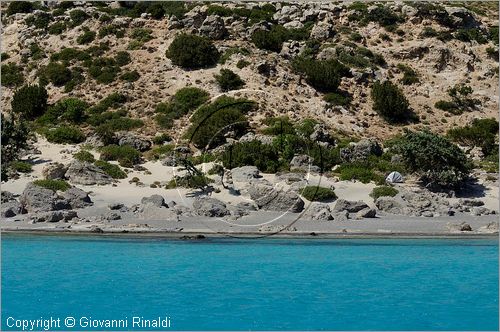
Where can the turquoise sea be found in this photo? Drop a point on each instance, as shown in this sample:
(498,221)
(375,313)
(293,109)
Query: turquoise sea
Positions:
(265,284)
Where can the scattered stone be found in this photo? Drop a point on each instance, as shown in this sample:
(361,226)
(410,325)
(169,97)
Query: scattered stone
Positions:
(268,198)
(462,227)
(210,207)
(389,205)
(349,206)
(155,200)
(54,171)
(85,173)
(470,202)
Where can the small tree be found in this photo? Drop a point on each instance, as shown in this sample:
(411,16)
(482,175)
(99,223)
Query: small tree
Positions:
(390,102)
(228,80)
(324,76)
(435,158)
(30,101)
(14,138)
(57,74)
(192,52)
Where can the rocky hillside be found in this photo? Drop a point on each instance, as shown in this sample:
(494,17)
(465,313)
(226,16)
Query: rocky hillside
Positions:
(425,49)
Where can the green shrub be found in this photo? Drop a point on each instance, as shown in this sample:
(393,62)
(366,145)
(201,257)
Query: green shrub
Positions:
(493,34)
(318,194)
(125,154)
(390,102)
(383,16)
(78,16)
(104,70)
(447,106)
(355,37)
(272,40)
(337,99)
(460,100)
(162,138)
(278,126)
(360,172)
(12,75)
(322,75)
(230,51)
(184,101)
(492,53)
(428,32)
(30,101)
(252,153)
(115,121)
(159,151)
(481,133)
(130,76)
(242,64)
(114,100)
(383,191)
(434,157)
(189,181)
(112,170)
(211,122)
(86,37)
(83,155)
(57,28)
(192,52)
(228,80)
(14,138)
(54,185)
(70,109)
(57,73)
(65,135)
(470,34)
(410,76)
(21,166)
(111,30)
(122,58)
(19,7)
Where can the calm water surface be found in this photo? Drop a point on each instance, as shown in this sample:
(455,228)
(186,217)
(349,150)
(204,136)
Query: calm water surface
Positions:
(268,284)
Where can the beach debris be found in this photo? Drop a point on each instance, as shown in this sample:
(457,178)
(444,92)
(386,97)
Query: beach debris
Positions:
(85,173)
(268,198)
(210,207)
(394,177)
(53,171)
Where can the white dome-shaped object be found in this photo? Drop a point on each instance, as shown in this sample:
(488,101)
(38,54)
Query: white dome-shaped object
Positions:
(394,177)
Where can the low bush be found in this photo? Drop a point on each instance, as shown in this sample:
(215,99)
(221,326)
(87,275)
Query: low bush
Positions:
(159,152)
(410,76)
(382,191)
(434,157)
(337,99)
(112,170)
(272,40)
(30,101)
(189,181)
(324,76)
(390,102)
(230,51)
(228,80)
(64,135)
(86,37)
(481,133)
(57,28)
(122,58)
(12,75)
(104,70)
(55,185)
(318,194)
(242,64)
(57,73)
(83,155)
(162,138)
(470,34)
(125,155)
(70,110)
(360,172)
(19,7)
(113,100)
(460,100)
(78,16)
(111,30)
(21,166)
(130,76)
(192,52)
(252,153)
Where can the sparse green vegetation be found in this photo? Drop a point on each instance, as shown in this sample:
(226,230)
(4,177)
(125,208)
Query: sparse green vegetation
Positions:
(390,102)
(112,170)
(318,194)
(57,74)
(83,155)
(229,80)
(64,135)
(460,100)
(410,76)
(55,185)
(252,153)
(130,76)
(19,7)
(125,155)
(480,133)
(12,75)
(324,75)
(86,37)
(383,191)
(21,166)
(70,110)
(273,39)
(78,16)
(30,101)
(192,52)
(470,34)
(184,101)
(230,51)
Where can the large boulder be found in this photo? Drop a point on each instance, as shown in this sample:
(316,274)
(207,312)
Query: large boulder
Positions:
(268,198)
(11,209)
(134,141)
(366,213)
(460,17)
(361,151)
(54,171)
(54,216)
(37,199)
(77,198)
(319,212)
(155,200)
(389,205)
(303,162)
(85,173)
(321,135)
(322,31)
(210,207)
(213,27)
(349,206)
(245,173)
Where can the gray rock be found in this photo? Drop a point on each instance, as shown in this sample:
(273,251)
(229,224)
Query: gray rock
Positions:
(389,205)
(318,211)
(322,31)
(11,208)
(291,49)
(470,202)
(366,213)
(170,161)
(155,200)
(248,206)
(479,211)
(303,162)
(321,134)
(461,17)
(38,199)
(171,204)
(462,227)
(264,139)
(54,216)
(126,138)
(213,27)
(7,196)
(115,206)
(245,173)
(112,216)
(268,198)
(85,173)
(361,150)
(210,207)
(349,206)
(290,178)
(77,198)
(54,171)
(427,214)
(341,216)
